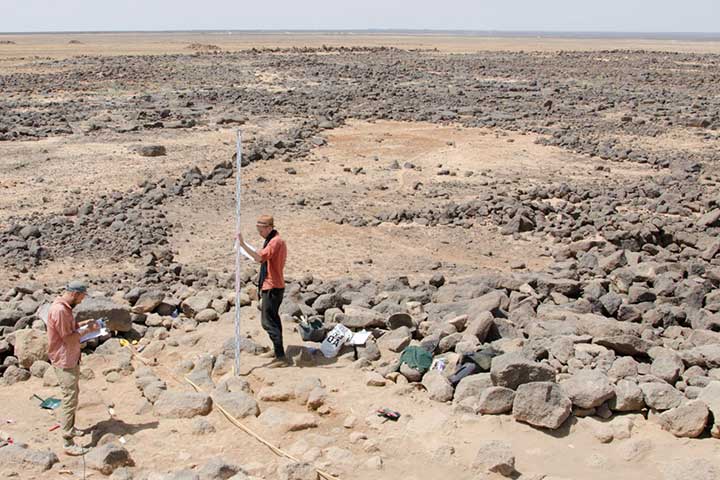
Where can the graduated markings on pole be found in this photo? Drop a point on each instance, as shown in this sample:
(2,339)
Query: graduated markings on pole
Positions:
(238,159)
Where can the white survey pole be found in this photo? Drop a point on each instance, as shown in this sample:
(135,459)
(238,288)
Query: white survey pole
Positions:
(238,185)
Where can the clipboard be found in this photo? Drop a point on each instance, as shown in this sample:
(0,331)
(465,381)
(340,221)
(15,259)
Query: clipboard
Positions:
(95,333)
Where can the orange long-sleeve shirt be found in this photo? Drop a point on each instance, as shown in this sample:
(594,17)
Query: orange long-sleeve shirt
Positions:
(275,255)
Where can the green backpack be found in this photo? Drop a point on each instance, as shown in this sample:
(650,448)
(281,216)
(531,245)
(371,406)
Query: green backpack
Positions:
(417,358)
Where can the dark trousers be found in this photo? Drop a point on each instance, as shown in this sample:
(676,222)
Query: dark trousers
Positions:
(270,318)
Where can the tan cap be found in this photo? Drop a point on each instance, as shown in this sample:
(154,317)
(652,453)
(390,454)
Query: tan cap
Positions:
(266,220)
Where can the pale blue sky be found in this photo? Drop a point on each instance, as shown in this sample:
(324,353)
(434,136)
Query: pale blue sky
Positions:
(536,15)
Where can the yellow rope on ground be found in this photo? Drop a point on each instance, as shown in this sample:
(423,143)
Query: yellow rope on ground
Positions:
(277,451)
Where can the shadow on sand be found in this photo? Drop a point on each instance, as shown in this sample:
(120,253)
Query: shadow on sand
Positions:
(117,427)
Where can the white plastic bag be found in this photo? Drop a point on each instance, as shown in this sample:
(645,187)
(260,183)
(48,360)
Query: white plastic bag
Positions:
(335,340)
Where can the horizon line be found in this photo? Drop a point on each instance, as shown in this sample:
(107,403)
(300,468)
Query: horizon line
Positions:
(468,32)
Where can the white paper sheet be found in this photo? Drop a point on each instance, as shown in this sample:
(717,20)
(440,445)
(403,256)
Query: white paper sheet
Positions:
(242,250)
(359,338)
(94,334)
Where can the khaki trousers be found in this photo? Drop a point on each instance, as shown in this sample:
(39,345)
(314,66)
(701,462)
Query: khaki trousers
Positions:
(68,379)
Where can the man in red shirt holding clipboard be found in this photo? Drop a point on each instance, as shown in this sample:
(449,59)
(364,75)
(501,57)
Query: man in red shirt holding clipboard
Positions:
(64,354)
(271,281)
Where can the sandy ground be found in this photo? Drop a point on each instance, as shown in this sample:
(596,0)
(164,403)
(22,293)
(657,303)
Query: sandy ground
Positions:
(326,249)
(58,46)
(32,183)
(416,447)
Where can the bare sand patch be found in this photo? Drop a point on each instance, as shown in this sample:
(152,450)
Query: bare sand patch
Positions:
(324,248)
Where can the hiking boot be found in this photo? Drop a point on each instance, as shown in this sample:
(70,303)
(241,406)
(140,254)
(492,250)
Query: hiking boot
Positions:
(76,432)
(279,362)
(75,450)
(271,354)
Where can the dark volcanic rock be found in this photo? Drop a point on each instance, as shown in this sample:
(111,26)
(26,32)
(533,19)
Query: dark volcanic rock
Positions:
(117,316)
(151,150)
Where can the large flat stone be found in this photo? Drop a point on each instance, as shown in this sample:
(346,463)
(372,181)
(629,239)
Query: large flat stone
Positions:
(588,388)
(513,369)
(118,316)
(173,404)
(26,458)
(541,404)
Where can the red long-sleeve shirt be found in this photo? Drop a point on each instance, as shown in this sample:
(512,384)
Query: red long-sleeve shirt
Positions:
(63,339)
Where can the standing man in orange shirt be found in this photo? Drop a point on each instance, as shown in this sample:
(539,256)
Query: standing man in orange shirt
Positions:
(271,281)
(64,354)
